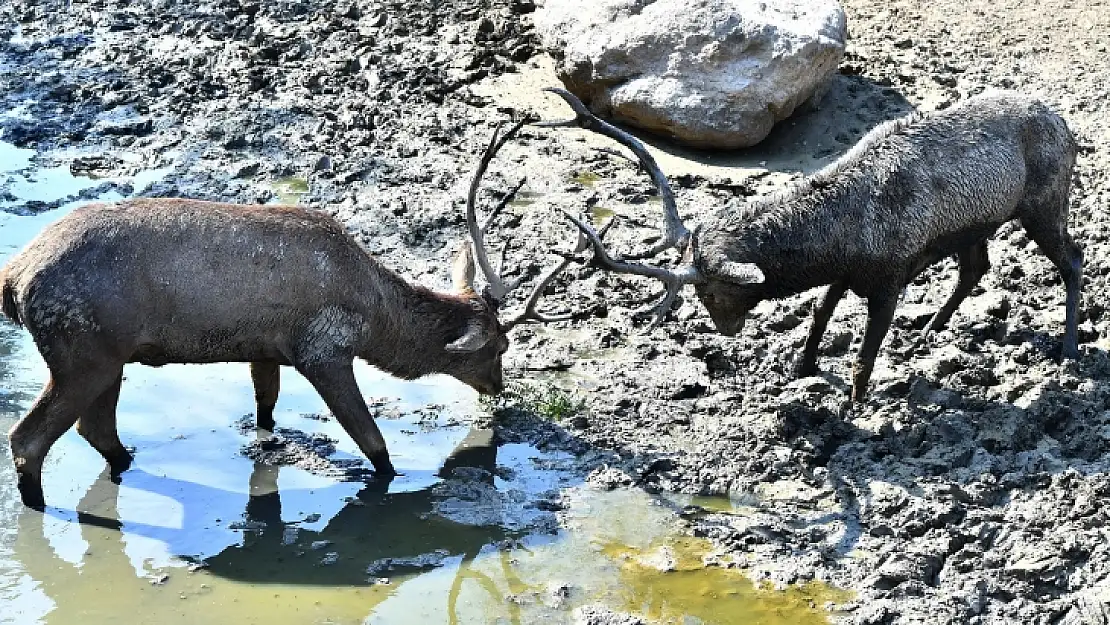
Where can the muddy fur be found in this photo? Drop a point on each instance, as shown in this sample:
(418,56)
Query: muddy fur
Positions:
(7,300)
(913,192)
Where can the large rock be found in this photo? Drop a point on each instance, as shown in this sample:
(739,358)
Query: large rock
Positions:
(708,73)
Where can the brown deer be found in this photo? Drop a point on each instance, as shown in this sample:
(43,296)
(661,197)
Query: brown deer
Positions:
(159,281)
(910,193)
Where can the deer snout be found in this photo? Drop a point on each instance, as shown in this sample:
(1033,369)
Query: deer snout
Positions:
(493,385)
(729,326)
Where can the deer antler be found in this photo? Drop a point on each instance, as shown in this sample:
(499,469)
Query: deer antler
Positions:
(675,233)
(497,290)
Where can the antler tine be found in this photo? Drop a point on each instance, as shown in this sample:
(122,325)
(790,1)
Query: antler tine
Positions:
(497,288)
(529,311)
(502,204)
(675,233)
(674,279)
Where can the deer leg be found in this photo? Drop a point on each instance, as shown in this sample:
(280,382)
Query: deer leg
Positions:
(335,382)
(98,426)
(880,312)
(974,264)
(1062,250)
(56,409)
(264,502)
(266,376)
(808,365)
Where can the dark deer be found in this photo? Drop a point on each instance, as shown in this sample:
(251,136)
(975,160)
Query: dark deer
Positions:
(913,191)
(159,281)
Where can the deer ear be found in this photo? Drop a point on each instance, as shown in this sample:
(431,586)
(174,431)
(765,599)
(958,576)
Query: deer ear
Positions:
(462,270)
(472,340)
(741,273)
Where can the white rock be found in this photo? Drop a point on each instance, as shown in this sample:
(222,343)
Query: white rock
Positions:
(709,73)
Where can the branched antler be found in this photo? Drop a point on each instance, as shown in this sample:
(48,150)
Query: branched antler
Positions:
(675,233)
(673,279)
(497,290)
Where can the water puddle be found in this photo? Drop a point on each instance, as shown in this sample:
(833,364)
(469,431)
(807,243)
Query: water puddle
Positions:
(524,198)
(601,214)
(289,190)
(472,532)
(585,178)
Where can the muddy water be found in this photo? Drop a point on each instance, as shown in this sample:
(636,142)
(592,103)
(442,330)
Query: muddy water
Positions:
(196,531)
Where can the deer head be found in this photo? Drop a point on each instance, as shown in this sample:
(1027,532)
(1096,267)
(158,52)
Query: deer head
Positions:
(484,340)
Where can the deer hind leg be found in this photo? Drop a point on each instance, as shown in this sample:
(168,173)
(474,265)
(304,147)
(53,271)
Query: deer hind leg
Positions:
(98,426)
(62,401)
(808,364)
(266,376)
(1050,234)
(974,264)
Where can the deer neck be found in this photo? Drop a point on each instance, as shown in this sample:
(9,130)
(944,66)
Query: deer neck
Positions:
(411,327)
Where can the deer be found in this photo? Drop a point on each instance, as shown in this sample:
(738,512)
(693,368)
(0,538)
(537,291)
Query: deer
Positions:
(164,280)
(910,193)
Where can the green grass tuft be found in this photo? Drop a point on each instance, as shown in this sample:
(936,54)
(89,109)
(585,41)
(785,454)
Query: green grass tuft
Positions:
(545,400)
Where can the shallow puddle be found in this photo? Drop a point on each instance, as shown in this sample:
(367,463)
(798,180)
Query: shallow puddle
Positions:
(196,531)
(289,190)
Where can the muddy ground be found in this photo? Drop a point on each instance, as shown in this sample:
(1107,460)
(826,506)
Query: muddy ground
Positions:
(969,487)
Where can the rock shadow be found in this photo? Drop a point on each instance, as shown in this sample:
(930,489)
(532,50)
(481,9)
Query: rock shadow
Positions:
(807,140)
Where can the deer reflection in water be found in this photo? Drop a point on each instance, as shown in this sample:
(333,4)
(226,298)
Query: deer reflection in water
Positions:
(281,570)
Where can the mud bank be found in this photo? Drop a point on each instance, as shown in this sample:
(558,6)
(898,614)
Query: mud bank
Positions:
(967,489)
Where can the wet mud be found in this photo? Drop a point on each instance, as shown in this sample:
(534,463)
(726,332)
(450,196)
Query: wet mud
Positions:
(967,489)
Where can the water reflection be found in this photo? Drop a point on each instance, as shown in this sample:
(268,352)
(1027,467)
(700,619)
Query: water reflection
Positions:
(376,534)
(282,567)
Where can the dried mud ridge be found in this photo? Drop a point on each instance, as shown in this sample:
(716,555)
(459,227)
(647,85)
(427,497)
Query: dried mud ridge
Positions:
(970,488)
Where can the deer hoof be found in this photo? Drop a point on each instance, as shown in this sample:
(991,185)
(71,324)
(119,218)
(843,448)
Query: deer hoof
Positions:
(30,491)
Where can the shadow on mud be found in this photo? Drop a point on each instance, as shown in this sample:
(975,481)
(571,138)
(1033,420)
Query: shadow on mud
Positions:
(954,454)
(809,139)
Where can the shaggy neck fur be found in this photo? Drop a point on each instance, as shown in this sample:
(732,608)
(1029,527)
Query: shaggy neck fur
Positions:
(797,235)
(419,323)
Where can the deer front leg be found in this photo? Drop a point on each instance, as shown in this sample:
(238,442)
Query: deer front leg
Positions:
(335,382)
(67,395)
(808,364)
(266,376)
(880,313)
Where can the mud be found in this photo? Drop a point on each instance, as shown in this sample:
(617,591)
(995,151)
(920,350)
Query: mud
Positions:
(967,489)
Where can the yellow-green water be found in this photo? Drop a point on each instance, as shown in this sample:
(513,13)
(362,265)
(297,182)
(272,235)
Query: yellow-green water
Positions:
(586,178)
(290,190)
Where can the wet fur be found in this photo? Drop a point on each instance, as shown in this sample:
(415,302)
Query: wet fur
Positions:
(159,281)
